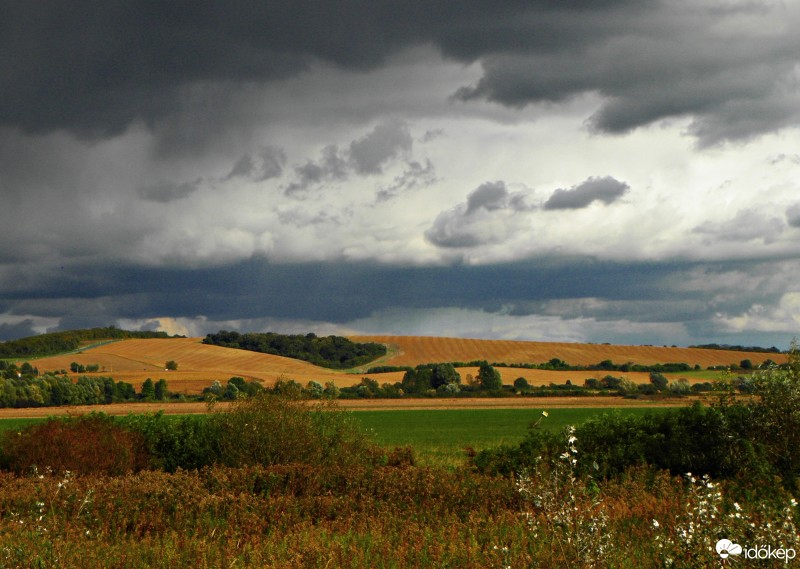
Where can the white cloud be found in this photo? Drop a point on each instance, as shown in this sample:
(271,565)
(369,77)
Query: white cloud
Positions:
(784,318)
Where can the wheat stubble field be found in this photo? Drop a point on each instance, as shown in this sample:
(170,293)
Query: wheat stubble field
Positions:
(199,364)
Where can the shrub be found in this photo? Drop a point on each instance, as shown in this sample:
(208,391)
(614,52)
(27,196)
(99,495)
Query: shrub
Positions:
(270,429)
(89,444)
(188,442)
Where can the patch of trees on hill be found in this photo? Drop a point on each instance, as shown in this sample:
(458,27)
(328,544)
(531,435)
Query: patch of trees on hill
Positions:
(757,349)
(333,352)
(67,341)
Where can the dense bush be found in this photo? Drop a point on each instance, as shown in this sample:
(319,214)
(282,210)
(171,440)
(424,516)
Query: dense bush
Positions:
(88,444)
(187,442)
(698,439)
(270,429)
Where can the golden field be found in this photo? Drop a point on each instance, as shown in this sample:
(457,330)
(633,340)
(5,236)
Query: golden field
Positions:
(135,360)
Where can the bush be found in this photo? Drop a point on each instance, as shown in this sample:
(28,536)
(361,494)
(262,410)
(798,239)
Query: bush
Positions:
(188,442)
(84,445)
(697,439)
(270,429)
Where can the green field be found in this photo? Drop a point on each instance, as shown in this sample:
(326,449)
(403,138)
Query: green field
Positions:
(439,437)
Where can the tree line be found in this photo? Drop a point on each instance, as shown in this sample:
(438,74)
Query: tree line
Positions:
(334,352)
(67,341)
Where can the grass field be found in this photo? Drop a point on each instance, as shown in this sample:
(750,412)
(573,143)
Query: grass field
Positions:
(439,436)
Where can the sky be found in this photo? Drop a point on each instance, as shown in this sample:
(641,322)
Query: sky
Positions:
(622,171)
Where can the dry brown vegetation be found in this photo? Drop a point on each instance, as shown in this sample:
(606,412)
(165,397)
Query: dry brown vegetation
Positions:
(135,360)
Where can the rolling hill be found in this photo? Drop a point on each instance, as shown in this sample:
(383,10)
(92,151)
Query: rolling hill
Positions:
(134,360)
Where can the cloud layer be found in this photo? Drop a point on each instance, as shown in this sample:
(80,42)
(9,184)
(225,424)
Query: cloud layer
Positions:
(611,170)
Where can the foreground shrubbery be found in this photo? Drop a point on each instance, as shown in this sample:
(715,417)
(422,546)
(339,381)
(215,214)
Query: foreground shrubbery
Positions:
(265,429)
(377,516)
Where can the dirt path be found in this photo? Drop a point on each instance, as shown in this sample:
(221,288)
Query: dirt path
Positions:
(359,405)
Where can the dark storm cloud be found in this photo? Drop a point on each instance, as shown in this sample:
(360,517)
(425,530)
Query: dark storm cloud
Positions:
(168,191)
(340,293)
(96,68)
(17,330)
(606,190)
(268,163)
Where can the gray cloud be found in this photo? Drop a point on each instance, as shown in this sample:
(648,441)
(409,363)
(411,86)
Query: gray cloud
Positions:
(415,175)
(747,225)
(649,60)
(365,156)
(386,141)
(331,166)
(562,288)
(793,215)
(16,330)
(489,216)
(268,163)
(606,190)
(169,192)
(489,196)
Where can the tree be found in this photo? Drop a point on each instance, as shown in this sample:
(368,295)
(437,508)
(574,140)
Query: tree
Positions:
(659,381)
(489,378)
(148,390)
(171,365)
(521,384)
(444,374)
(315,389)
(160,389)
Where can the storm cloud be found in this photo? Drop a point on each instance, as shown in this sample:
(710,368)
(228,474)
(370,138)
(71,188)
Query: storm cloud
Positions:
(607,170)
(96,70)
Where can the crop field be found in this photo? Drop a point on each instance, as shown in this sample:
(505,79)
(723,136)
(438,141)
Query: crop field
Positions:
(135,360)
(439,437)
(415,350)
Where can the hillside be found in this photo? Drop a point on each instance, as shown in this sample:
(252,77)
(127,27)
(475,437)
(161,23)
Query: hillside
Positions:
(135,360)
(414,350)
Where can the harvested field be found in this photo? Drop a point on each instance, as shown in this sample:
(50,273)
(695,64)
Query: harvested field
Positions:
(415,350)
(199,364)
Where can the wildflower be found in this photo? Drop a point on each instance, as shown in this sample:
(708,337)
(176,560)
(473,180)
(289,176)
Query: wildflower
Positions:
(571,440)
(656,524)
